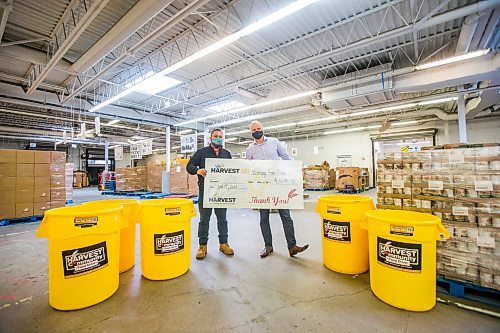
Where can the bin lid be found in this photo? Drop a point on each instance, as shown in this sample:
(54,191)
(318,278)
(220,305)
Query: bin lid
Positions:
(124,202)
(403,217)
(166,202)
(344,199)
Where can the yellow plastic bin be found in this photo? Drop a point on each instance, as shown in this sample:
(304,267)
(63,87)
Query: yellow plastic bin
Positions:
(83,254)
(165,237)
(402,246)
(127,234)
(345,244)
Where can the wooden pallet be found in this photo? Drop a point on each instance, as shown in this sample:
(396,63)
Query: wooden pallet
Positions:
(468,291)
(318,189)
(28,219)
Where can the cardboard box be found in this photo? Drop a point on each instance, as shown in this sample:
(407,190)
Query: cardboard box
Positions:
(41,195)
(58,157)
(42,157)
(332,178)
(80,179)
(42,170)
(8,156)
(7,198)
(39,208)
(25,183)
(25,170)
(8,183)
(23,196)
(25,156)
(24,210)
(348,176)
(57,181)
(7,211)
(57,169)
(42,183)
(8,169)
(57,204)
(57,194)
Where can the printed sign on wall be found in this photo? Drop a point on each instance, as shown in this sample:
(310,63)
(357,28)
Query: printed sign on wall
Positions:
(146,147)
(189,143)
(119,153)
(136,152)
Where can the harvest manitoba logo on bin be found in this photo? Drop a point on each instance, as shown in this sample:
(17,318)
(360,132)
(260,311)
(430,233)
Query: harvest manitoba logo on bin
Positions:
(401,230)
(85,222)
(173,211)
(333,210)
(169,243)
(401,256)
(337,231)
(84,260)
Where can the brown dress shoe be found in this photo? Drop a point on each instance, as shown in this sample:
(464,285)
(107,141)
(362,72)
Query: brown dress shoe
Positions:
(267,251)
(297,249)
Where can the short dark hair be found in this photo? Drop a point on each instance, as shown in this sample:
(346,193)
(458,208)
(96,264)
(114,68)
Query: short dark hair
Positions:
(215,130)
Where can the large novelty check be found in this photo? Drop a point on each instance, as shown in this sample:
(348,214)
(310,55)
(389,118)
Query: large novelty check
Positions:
(253,184)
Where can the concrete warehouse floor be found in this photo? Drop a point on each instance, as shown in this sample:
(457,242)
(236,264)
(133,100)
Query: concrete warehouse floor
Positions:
(243,293)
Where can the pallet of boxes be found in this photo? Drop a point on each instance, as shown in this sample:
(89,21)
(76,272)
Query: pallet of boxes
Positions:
(181,181)
(461,185)
(131,178)
(317,177)
(348,179)
(31,182)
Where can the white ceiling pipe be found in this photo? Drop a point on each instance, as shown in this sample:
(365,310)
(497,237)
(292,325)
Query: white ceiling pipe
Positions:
(133,20)
(54,139)
(31,56)
(466,33)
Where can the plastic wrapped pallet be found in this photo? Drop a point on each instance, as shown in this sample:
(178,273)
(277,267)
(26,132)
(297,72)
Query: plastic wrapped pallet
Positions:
(462,187)
(316,178)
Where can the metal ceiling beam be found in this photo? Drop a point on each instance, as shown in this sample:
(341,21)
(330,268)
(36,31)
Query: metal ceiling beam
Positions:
(167,25)
(133,20)
(62,39)
(429,22)
(6,9)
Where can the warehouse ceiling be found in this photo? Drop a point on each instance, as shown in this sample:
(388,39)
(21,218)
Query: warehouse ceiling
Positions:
(329,65)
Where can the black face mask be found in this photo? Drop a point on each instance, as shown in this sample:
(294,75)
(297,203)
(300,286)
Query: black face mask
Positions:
(257,135)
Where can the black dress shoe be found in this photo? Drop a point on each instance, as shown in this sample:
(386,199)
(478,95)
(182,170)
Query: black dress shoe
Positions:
(297,249)
(267,251)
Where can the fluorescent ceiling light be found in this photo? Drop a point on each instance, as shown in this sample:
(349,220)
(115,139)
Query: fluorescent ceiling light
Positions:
(112,122)
(152,84)
(278,15)
(138,137)
(231,139)
(437,101)
(115,146)
(404,123)
(247,141)
(347,130)
(186,131)
(249,107)
(461,57)
(226,106)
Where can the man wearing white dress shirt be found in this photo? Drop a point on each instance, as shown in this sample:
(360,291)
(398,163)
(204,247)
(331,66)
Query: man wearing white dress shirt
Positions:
(267,148)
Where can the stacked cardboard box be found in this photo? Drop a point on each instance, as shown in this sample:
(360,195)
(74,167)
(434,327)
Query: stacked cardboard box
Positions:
(348,177)
(80,179)
(131,178)
(460,186)
(30,182)
(179,179)
(57,179)
(154,177)
(8,172)
(68,175)
(365,178)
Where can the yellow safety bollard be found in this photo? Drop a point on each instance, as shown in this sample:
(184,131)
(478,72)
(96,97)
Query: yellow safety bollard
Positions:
(402,246)
(83,254)
(127,234)
(345,244)
(165,237)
